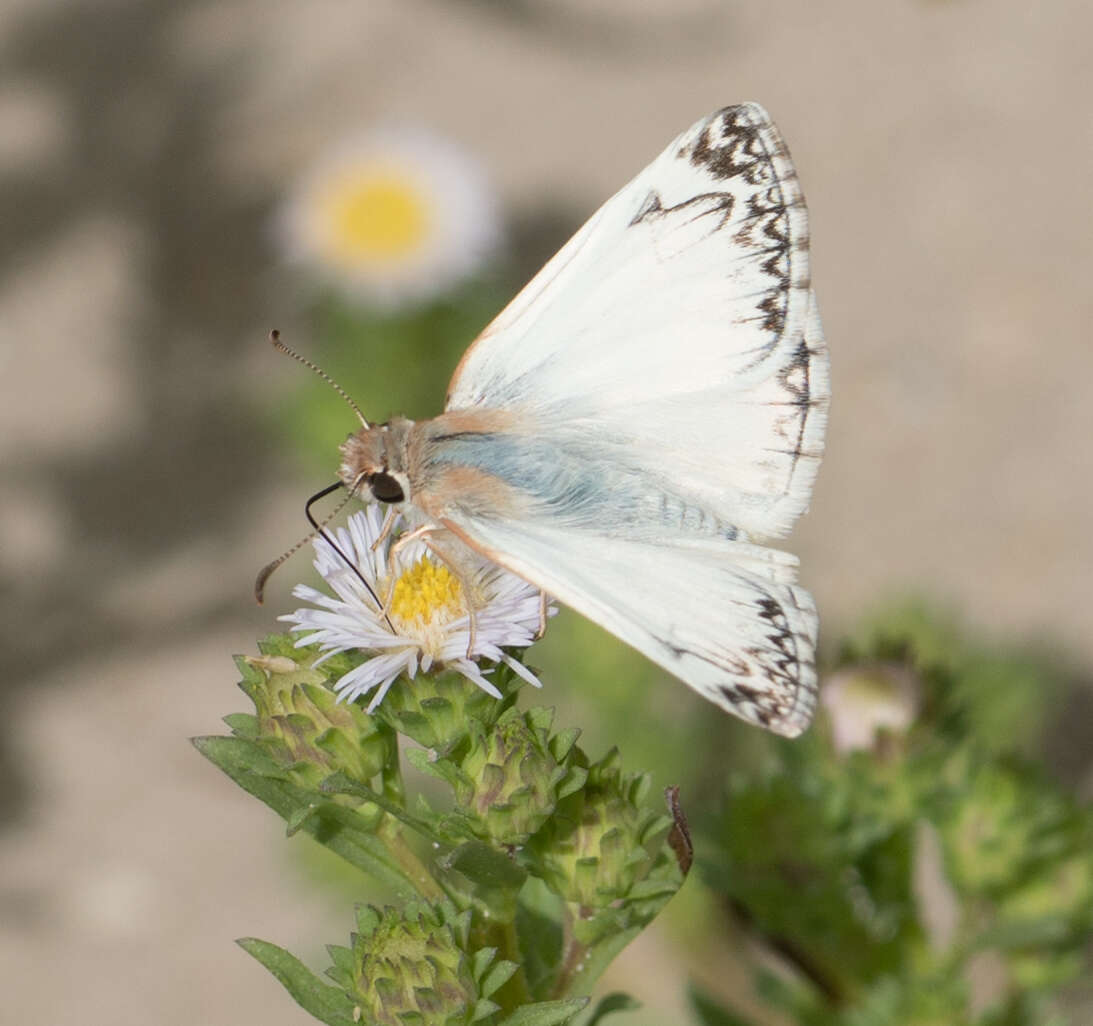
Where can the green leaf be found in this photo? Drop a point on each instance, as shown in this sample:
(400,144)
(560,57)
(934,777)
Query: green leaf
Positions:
(243,725)
(341,971)
(485,866)
(600,955)
(442,769)
(339,783)
(337,827)
(298,818)
(545,1013)
(483,1009)
(540,919)
(497,976)
(238,757)
(328,1004)
(614,1002)
(480,963)
(494,878)
(712,1013)
(1035,933)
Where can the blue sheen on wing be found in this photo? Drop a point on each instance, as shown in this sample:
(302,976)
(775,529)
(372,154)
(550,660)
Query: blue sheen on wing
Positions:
(584,484)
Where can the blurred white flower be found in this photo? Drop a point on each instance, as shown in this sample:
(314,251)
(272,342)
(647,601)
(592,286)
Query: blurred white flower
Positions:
(393,218)
(866,699)
(427,620)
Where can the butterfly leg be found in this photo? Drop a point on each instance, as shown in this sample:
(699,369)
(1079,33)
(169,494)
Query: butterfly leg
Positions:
(542,616)
(401,542)
(388,523)
(465,583)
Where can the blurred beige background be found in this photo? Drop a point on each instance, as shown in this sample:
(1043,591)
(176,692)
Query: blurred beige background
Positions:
(946,151)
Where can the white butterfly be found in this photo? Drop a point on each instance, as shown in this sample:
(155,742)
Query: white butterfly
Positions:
(649,408)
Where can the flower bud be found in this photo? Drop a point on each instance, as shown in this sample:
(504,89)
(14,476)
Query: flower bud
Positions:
(602,840)
(864,700)
(1000,829)
(513,776)
(305,727)
(437,712)
(416,965)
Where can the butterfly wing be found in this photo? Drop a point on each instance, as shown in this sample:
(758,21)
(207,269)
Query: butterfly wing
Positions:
(663,389)
(724,617)
(679,324)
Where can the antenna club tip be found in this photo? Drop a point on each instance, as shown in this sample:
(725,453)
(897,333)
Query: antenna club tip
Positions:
(275,337)
(263,576)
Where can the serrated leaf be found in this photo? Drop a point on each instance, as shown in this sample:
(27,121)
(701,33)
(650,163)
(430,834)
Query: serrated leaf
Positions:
(341,971)
(497,977)
(574,779)
(540,717)
(250,673)
(562,742)
(337,827)
(480,961)
(546,1013)
(236,755)
(328,1004)
(614,1002)
(243,725)
(483,1009)
(298,817)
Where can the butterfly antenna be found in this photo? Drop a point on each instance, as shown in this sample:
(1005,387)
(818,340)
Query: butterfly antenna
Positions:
(275,341)
(334,545)
(266,571)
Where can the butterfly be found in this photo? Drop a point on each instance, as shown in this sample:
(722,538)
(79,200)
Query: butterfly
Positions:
(642,418)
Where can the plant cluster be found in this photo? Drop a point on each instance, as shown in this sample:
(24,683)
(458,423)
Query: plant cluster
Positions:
(519,866)
(928,873)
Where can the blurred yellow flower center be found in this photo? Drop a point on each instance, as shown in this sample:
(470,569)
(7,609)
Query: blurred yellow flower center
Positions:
(425,592)
(375,216)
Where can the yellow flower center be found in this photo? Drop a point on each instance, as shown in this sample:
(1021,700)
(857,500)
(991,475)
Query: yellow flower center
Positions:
(425,592)
(375,215)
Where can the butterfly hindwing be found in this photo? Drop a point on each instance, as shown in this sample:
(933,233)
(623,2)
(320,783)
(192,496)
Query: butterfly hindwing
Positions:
(726,618)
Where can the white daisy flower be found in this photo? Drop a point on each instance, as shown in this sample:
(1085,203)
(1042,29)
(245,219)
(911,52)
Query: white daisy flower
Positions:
(393,218)
(427,621)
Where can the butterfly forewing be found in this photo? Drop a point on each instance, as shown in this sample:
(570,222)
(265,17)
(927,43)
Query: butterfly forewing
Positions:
(676,320)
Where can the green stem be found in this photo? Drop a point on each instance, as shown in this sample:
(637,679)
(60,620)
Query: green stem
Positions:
(391,830)
(573,955)
(393,788)
(515,992)
(406,859)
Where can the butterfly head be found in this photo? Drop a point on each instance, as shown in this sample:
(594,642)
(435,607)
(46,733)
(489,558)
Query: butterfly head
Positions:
(375,459)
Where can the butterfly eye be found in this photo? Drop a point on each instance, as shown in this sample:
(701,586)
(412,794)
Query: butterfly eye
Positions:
(386,488)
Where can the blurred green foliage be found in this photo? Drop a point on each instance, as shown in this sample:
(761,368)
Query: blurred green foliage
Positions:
(390,363)
(934,875)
